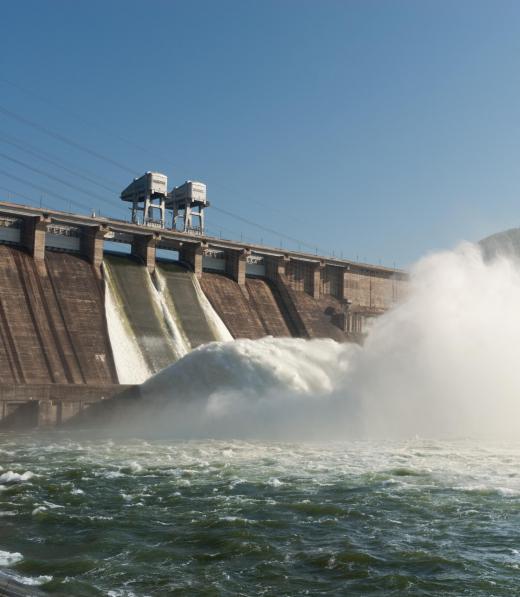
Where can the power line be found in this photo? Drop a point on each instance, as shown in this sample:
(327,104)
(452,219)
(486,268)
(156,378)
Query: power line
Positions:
(55,178)
(17,194)
(30,150)
(131,143)
(58,161)
(266,229)
(47,191)
(64,139)
(100,156)
(84,121)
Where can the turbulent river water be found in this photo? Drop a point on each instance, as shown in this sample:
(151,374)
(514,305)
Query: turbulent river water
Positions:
(313,483)
(133,517)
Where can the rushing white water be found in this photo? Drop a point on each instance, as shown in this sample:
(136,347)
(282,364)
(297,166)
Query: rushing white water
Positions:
(179,339)
(130,364)
(442,362)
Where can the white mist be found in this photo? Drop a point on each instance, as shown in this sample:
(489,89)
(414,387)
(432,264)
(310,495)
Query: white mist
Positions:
(443,362)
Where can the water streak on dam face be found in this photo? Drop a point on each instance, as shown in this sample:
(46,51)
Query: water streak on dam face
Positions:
(139,306)
(155,319)
(129,362)
(184,302)
(52,321)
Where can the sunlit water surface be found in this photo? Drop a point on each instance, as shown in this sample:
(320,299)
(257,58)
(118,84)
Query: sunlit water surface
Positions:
(131,517)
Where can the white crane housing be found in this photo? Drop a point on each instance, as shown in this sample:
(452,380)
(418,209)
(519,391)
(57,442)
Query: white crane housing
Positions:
(188,202)
(148,195)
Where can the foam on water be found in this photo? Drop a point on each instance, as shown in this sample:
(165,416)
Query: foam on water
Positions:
(34,582)
(442,362)
(12,477)
(8,558)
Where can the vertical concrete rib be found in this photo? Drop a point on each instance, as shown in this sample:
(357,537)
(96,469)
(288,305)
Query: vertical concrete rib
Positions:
(45,334)
(12,370)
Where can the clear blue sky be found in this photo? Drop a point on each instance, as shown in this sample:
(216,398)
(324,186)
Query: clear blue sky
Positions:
(376,129)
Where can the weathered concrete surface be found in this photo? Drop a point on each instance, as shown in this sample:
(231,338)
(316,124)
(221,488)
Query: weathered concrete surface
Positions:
(232,306)
(252,310)
(319,316)
(296,304)
(52,321)
(373,290)
(265,299)
(44,405)
(80,304)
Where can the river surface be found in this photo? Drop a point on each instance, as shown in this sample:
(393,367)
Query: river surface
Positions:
(129,517)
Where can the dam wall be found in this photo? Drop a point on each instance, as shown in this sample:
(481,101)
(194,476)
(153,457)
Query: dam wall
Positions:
(77,319)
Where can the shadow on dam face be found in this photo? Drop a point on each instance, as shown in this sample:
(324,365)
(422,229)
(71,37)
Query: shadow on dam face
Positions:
(251,311)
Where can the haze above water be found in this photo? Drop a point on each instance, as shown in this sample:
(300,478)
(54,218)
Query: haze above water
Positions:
(442,363)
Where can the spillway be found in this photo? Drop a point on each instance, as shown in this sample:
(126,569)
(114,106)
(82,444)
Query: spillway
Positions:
(184,303)
(138,305)
(52,324)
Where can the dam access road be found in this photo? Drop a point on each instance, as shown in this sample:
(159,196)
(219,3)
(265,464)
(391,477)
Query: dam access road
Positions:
(79,324)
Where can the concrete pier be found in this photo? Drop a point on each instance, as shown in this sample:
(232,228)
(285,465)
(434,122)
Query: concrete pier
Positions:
(143,247)
(33,235)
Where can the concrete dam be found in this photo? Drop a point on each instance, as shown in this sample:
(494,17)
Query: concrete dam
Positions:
(79,323)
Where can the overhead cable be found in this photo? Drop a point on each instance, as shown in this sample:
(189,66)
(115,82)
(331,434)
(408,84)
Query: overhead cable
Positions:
(58,164)
(56,178)
(64,139)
